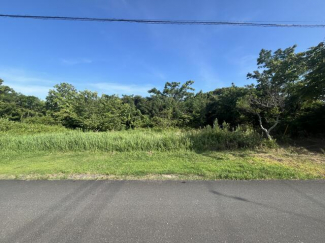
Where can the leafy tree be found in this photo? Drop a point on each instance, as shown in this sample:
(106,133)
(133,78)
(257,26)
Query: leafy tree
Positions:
(268,108)
(61,97)
(16,106)
(280,73)
(196,109)
(313,87)
(175,91)
(222,105)
(168,106)
(113,113)
(60,102)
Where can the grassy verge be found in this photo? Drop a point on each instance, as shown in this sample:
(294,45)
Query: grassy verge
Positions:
(161,165)
(52,152)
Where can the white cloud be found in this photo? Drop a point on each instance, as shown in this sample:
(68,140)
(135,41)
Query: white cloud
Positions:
(70,62)
(26,82)
(37,84)
(35,90)
(20,76)
(115,88)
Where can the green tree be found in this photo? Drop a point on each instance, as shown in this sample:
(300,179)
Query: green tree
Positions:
(267,107)
(313,86)
(279,75)
(168,106)
(222,105)
(60,102)
(16,106)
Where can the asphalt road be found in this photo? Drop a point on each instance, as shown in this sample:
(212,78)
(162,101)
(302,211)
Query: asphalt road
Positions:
(162,211)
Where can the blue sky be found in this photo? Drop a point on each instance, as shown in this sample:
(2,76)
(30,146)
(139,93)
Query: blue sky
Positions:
(117,58)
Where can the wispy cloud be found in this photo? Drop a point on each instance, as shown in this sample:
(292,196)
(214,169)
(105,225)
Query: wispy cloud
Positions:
(209,77)
(115,88)
(35,90)
(152,71)
(202,63)
(38,84)
(244,62)
(21,76)
(27,83)
(70,62)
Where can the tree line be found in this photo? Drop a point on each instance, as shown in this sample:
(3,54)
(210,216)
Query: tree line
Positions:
(287,98)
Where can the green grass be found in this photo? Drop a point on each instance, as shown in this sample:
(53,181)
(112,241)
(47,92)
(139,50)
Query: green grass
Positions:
(149,165)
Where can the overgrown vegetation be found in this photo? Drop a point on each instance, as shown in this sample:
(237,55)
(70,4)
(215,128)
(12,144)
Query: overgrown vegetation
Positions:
(11,127)
(136,140)
(287,99)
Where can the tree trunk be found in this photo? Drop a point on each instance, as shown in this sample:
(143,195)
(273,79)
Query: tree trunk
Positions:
(267,131)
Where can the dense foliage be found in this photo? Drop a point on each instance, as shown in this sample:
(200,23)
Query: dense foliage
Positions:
(288,98)
(20,128)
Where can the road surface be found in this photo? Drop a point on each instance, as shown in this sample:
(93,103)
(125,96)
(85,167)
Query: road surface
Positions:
(162,211)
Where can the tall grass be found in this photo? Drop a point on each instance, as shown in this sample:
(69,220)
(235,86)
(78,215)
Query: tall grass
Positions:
(216,138)
(132,140)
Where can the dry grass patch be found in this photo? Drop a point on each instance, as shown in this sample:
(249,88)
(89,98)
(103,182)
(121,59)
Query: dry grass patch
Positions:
(295,157)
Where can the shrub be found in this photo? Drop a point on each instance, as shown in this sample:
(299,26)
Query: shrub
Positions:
(218,138)
(12,127)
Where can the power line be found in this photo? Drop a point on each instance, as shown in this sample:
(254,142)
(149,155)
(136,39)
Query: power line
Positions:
(171,22)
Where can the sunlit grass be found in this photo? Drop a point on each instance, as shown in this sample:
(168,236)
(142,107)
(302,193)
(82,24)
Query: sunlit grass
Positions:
(150,165)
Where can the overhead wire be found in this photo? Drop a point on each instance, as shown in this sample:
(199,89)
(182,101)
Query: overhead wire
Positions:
(275,24)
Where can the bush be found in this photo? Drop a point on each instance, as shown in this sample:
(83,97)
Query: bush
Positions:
(12,127)
(270,143)
(218,138)
(42,120)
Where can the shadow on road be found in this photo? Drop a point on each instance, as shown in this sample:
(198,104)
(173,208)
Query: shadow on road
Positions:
(244,200)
